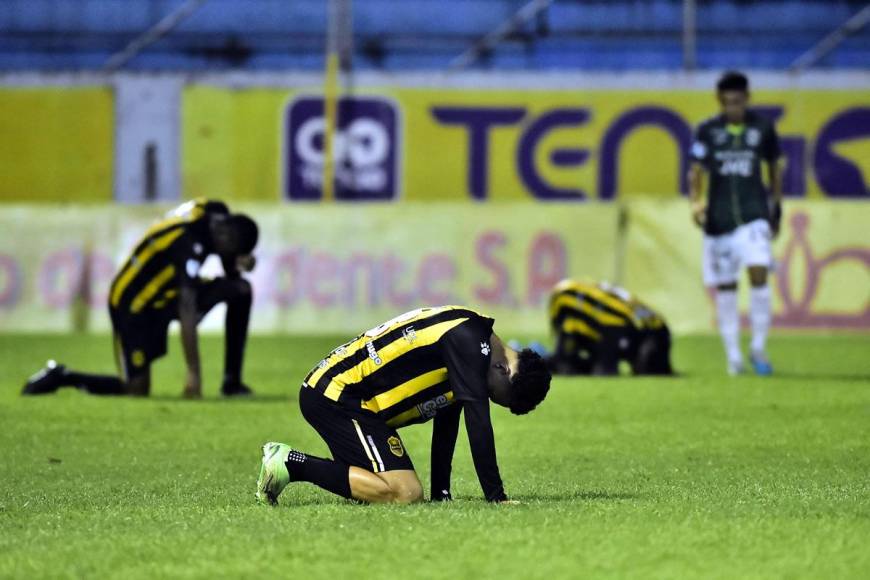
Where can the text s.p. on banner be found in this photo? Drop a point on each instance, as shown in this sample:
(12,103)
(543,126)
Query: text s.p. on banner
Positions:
(323,270)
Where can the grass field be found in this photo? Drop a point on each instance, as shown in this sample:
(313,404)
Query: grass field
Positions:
(696,476)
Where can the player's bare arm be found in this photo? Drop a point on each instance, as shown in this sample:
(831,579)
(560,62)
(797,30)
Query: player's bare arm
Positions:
(187,316)
(697,204)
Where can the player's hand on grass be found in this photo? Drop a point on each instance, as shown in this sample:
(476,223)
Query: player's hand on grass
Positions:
(246,263)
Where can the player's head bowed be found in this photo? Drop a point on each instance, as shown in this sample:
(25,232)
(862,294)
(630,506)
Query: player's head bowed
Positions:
(529,383)
(236,234)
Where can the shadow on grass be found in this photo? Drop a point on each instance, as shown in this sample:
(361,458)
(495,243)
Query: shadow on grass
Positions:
(578,496)
(823,376)
(222,400)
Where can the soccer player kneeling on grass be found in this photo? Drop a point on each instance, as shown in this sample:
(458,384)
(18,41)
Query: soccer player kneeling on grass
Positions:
(599,325)
(428,363)
(159,283)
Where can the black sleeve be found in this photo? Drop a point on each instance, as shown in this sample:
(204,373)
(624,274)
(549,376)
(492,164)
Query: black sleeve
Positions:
(466,351)
(482,442)
(770,149)
(230,269)
(444,431)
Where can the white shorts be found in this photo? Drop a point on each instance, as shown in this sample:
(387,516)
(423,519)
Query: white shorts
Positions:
(726,255)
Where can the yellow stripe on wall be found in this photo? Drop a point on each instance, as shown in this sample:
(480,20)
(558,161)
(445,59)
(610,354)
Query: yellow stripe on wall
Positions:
(138,262)
(152,288)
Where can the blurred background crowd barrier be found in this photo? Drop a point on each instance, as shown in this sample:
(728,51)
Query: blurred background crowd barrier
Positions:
(480,149)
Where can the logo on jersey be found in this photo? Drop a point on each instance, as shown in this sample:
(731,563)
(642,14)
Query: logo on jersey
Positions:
(137,358)
(365,149)
(753,137)
(409,334)
(373,354)
(396,446)
(429,409)
(484,348)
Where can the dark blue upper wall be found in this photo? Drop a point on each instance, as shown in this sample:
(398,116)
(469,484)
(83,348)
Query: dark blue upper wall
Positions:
(406,34)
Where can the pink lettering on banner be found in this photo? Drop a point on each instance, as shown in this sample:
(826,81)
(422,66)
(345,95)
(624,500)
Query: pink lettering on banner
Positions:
(60,278)
(287,274)
(547,266)
(101,271)
(321,272)
(360,281)
(499,292)
(393,270)
(435,276)
(10,281)
(323,280)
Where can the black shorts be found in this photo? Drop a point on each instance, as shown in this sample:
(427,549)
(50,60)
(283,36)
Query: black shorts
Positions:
(139,341)
(354,437)
(142,338)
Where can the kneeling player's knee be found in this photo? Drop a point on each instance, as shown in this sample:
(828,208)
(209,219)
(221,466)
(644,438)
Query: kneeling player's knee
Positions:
(408,493)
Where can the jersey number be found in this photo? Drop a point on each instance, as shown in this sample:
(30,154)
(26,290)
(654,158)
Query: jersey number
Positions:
(742,167)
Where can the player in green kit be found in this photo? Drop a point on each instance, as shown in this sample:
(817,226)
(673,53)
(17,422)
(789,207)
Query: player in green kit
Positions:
(739,217)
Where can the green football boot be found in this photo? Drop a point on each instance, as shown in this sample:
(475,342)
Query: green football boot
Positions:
(273,473)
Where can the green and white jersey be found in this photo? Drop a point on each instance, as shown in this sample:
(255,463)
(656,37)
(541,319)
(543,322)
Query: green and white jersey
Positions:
(732,155)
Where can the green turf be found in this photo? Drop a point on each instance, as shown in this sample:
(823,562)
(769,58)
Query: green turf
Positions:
(697,476)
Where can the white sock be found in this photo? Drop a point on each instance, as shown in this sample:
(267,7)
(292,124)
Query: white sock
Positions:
(759,316)
(729,323)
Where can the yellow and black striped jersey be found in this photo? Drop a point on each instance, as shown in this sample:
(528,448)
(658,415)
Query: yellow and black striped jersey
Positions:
(168,256)
(588,309)
(409,368)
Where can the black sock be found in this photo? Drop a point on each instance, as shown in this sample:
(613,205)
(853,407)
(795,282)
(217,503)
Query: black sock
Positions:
(96,384)
(236,334)
(325,473)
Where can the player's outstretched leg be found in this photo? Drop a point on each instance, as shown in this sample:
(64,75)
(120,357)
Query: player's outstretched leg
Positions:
(54,376)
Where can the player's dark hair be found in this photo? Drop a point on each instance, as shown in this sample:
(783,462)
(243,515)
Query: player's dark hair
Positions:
(530,383)
(246,231)
(733,80)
